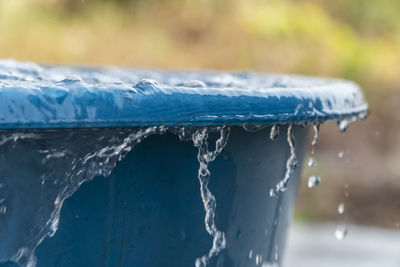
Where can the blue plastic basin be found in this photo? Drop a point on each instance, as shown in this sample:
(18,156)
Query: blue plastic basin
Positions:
(58,123)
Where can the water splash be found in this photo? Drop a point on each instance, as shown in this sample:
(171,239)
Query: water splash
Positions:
(204,156)
(96,154)
(291,165)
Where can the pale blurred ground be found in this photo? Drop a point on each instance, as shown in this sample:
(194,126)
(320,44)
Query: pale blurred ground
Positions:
(314,245)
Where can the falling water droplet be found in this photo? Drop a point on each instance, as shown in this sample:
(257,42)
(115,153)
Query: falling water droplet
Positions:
(341,232)
(313,181)
(312,162)
(340,208)
(274,134)
(340,155)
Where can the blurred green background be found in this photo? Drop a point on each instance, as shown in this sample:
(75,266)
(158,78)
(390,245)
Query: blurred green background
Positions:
(353,39)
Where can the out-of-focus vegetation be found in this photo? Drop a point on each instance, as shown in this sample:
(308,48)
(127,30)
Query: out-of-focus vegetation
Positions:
(354,39)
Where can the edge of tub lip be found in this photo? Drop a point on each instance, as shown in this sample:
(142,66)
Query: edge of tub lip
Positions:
(132,105)
(356,114)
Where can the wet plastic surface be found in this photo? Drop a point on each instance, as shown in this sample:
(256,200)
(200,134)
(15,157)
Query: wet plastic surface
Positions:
(149,212)
(33,96)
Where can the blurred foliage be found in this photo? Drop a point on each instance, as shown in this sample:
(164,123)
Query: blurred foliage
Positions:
(354,39)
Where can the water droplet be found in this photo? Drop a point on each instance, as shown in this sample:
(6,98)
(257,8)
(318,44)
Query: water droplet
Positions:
(312,162)
(341,232)
(316,131)
(340,208)
(274,134)
(313,181)
(192,83)
(258,259)
(250,254)
(72,79)
(340,154)
(238,234)
(3,210)
(345,123)
(145,85)
(252,127)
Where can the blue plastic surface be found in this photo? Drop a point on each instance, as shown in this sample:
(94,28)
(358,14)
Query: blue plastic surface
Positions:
(148,212)
(33,96)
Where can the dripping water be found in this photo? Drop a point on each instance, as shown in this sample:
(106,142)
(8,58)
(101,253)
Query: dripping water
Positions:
(312,162)
(274,134)
(344,123)
(204,156)
(291,165)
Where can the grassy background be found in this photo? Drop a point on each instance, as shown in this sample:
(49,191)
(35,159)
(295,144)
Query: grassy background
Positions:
(353,39)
